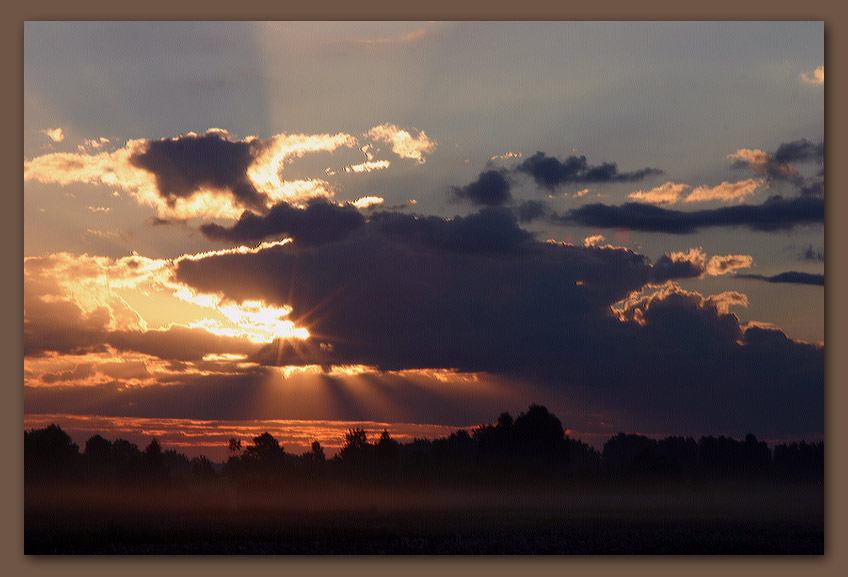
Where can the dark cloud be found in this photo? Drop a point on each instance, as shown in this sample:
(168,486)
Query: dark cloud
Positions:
(474,293)
(812,187)
(532,210)
(779,165)
(800,151)
(491,230)
(788,277)
(319,223)
(550,172)
(492,188)
(776,213)
(812,253)
(666,269)
(79,372)
(184,165)
(413,292)
(62,327)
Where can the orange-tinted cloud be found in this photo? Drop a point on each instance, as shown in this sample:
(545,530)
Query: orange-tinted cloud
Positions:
(816,77)
(54,134)
(403,143)
(726,191)
(169,176)
(668,193)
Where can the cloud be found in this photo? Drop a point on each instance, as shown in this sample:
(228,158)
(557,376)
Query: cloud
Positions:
(788,277)
(812,253)
(694,264)
(54,134)
(75,305)
(726,191)
(368,202)
(778,165)
(776,213)
(95,143)
(319,223)
(411,292)
(80,372)
(816,77)
(492,188)
(720,265)
(507,156)
(594,240)
(550,172)
(369,166)
(475,294)
(211,176)
(402,141)
(188,164)
(668,193)
(385,41)
(532,210)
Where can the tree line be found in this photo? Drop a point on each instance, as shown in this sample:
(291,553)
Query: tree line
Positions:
(529,449)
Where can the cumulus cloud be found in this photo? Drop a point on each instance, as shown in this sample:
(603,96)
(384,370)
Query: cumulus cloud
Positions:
(550,172)
(212,175)
(492,188)
(816,77)
(412,292)
(776,213)
(594,240)
(473,294)
(403,143)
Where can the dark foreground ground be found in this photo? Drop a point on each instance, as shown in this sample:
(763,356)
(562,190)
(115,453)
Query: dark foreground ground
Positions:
(225,520)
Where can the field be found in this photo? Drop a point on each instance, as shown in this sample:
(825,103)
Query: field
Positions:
(223,520)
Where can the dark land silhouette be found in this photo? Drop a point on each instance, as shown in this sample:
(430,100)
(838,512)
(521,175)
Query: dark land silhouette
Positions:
(515,486)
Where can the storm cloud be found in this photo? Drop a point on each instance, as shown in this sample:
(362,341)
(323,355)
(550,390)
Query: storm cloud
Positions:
(409,292)
(776,213)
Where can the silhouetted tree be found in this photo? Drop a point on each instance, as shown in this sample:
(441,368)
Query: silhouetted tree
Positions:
(202,469)
(127,460)
(154,461)
(50,453)
(315,454)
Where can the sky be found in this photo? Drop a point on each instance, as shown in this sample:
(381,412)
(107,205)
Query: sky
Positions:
(420,225)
